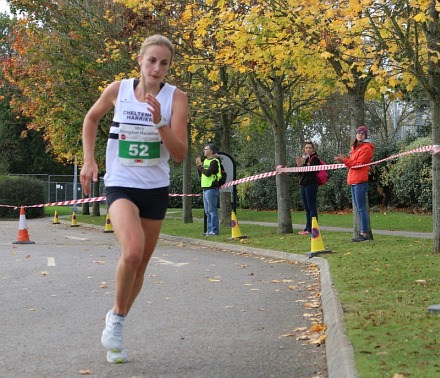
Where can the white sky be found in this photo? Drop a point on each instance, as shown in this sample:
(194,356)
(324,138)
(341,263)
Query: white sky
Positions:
(4,7)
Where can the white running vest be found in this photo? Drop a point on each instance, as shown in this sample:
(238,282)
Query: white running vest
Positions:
(135,156)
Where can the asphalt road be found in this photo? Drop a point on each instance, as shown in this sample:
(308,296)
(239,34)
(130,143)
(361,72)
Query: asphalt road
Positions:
(204,311)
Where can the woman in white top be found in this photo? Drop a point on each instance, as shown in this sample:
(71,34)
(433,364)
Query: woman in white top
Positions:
(149,126)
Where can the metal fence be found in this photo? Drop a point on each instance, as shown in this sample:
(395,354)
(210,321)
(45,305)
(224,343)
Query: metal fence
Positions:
(62,187)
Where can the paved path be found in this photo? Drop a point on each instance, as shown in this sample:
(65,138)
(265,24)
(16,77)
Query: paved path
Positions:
(207,310)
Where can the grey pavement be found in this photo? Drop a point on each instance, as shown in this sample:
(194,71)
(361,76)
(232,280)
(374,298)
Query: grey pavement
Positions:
(206,310)
(339,351)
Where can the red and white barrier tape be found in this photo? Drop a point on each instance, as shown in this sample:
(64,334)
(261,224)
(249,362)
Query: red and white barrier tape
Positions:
(280,169)
(87,200)
(250,178)
(435,149)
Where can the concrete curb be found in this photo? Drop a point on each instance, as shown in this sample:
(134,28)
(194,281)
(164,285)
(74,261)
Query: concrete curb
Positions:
(339,351)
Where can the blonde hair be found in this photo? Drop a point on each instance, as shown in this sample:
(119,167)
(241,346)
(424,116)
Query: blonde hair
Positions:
(158,40)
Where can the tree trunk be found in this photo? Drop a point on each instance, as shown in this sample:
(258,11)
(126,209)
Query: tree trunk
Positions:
(85,208)
(226,119)
(435,114)
(225,197)
(432,87)
(187,166)
(95,207)
(283,198)
(225,208)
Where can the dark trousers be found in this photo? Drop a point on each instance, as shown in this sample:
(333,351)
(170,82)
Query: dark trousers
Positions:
(308,195)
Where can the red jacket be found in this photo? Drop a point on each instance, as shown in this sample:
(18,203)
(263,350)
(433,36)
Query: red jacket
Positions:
(362,154)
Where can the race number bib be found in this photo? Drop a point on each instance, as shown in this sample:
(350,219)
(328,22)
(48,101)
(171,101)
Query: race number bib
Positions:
(139,145)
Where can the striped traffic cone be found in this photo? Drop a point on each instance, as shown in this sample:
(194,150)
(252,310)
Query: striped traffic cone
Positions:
(74,221)
(317,244)
(23,235)
(55,218)
(108,225)
(235,229)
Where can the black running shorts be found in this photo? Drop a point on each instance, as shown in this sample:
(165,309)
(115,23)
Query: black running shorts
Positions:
(152,203)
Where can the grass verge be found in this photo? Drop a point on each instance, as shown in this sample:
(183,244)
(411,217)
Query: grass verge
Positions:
(385,286)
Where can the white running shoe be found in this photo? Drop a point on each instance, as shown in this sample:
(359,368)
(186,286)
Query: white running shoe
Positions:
(117,357)
(112,335)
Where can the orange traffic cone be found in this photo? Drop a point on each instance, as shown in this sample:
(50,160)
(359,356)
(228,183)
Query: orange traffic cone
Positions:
(55,218)
(317,247)
(23,236)
(235,229)
(108,224)
(74,221)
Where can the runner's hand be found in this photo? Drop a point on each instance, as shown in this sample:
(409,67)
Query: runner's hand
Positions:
(89,172)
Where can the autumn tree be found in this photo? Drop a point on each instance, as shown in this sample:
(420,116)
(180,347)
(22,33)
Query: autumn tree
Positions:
(23,151)
(410,33)
(62,59)
(217,98)
(278,71)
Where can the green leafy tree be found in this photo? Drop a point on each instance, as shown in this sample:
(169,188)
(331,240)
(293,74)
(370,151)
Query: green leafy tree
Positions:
(409,33)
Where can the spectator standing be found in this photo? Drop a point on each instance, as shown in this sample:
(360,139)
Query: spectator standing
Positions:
(362,151)
(209,171)
(308,185)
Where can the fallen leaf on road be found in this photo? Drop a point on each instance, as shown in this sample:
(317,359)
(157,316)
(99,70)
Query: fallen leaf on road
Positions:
(101,262)
(300,329)
(287,280)
(319,341)
(318,327)
(86,372)
(103,285)
(311,305)
(287,335)
(303,337)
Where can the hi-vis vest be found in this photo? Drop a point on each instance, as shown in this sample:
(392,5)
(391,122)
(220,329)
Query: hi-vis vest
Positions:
(208,180)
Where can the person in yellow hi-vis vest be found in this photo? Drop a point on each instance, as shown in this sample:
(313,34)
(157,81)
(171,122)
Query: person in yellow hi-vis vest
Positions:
(209,171)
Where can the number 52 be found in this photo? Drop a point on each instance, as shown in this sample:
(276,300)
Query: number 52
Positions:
(138,150)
